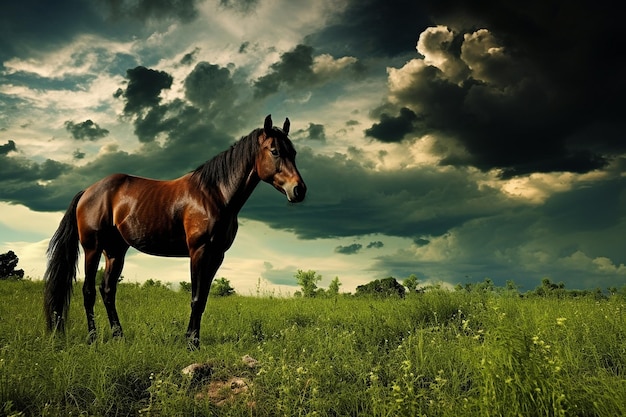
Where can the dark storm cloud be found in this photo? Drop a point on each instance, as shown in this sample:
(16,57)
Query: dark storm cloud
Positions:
(296,69)
(393,129)
(421,242)
(13,170)
(571,238)
(526,88)
(160,120)
(143,101)
(373,28)
(346,198)
(144,88)
(210,85)
(87,130)
(349,250)
(189,57)
(21,182)
(32,24)
(375,245)
(212,95)
(182,125)
(243,48)
(316,132)
(29,27)
(8,147)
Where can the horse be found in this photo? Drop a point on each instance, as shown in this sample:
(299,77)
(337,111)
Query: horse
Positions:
(192,216)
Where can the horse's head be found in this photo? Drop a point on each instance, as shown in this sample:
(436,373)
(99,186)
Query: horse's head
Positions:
(276,161)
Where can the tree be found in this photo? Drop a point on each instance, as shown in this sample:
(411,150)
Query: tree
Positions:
(511,286)
(308,281)
(411,283)
(333,287)
(386,287)
(221,288)
(8,262)
(550,289)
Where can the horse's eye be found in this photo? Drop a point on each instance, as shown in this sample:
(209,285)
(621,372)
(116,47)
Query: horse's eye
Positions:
(274,151)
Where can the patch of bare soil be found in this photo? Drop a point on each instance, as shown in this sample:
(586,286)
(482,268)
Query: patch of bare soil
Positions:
(223,392)
(220,391)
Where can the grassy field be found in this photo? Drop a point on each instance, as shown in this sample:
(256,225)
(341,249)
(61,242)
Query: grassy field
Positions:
(442,353)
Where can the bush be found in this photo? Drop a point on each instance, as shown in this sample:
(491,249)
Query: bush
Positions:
(8,262)
(221,288)
(386,287)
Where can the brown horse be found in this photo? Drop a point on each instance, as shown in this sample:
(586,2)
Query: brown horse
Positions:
(194,215)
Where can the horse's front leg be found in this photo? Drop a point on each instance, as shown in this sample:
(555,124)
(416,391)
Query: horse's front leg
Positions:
(204,265)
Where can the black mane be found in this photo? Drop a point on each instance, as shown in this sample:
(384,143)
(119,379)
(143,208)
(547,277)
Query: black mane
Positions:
(220,169)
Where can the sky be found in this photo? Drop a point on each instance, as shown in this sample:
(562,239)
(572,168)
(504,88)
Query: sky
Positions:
(452,140)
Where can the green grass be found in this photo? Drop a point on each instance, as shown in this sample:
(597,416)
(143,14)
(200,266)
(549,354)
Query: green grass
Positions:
(438,354)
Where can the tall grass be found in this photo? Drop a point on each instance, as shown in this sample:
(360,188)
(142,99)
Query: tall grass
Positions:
(438,354)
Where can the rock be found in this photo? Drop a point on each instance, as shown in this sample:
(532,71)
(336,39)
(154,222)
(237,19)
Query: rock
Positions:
(198,372)
(249,361)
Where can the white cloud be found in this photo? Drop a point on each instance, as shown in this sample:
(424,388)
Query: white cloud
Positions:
(434,44)
(87,54)
(82,102)
(325,66)
(19,217)
(441,249)
(32,256)
(482,58)
(538,187)
(599,265)
(404,78)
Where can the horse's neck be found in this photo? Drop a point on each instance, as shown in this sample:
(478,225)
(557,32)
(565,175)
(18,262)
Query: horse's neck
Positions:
(237,192)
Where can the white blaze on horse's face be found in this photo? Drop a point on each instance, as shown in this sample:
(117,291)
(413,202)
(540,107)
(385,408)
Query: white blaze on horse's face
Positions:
(276,163)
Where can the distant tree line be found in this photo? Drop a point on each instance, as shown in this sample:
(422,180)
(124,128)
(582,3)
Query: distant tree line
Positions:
(547,288)
(391,287)
(385,287)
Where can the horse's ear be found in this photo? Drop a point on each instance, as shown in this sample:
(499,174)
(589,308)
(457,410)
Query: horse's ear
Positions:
(268,124)
(286,126)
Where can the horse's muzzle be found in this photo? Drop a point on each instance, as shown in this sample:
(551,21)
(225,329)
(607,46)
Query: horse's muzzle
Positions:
(299,192)
(295,193)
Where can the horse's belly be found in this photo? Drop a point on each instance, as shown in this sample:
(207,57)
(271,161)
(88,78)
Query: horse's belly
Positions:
(149,239)
(162,248)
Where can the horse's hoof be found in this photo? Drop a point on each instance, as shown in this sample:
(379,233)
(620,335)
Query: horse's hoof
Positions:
(193,344)
(118,333)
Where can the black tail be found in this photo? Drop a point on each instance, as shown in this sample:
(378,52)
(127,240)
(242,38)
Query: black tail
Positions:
(61,271)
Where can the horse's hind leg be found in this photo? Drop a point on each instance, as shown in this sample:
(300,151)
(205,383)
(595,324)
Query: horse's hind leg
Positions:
(108,288)
(92,259)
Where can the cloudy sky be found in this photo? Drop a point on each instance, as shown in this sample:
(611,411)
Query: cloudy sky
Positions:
(448,141)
